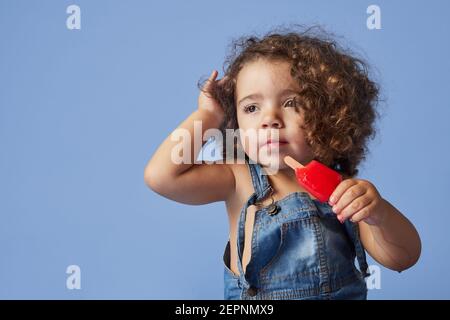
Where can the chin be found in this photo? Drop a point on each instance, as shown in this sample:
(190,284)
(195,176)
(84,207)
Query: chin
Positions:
(272,163)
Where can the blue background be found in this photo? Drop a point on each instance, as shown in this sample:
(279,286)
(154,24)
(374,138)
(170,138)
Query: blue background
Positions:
(82,111)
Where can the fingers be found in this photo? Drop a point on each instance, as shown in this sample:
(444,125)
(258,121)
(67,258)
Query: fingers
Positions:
(213,75)
(340,189)
(352,192)
(355,208)
(362,214)
(221,81)
(210,80)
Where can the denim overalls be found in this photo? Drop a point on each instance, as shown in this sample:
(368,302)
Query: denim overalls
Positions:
(299,251)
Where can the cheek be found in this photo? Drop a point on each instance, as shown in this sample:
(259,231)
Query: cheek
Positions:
(244,120)
(298,137)
(247,134)
(249,139)
(246,125)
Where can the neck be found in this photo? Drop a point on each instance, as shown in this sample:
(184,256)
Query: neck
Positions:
(282,176)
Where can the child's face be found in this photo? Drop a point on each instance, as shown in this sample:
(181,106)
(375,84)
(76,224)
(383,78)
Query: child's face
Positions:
(271,109)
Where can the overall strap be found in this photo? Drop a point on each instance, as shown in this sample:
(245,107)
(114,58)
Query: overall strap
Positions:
(260,182)
(261,188)
(353,230)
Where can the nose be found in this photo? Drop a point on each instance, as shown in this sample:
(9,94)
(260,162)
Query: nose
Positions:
(271,120)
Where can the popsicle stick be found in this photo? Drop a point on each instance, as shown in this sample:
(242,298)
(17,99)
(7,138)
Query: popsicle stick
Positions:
(291,162)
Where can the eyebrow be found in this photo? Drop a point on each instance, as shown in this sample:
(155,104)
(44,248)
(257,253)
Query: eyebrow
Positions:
(259,95)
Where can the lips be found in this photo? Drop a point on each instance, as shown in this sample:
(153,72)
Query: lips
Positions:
(273,143)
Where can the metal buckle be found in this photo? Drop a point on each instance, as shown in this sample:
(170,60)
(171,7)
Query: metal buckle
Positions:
(272,208)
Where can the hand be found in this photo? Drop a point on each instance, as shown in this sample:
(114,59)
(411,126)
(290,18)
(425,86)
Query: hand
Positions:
(358,200)
(206,100)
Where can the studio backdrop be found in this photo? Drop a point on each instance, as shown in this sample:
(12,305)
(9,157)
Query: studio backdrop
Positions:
(90,89)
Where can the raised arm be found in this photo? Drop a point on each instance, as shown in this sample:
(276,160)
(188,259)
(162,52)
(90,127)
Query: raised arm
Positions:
(189,182)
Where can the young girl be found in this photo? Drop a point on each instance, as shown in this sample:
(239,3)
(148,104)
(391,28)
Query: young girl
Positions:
(313,100)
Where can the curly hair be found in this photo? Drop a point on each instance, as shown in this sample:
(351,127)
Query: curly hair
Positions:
(336,93)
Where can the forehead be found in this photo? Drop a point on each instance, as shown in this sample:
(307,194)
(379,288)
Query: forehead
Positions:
(264,76)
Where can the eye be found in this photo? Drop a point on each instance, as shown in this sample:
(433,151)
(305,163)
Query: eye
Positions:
(250,109)
(291,103)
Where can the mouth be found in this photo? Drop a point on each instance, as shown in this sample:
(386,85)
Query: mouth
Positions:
(275,143)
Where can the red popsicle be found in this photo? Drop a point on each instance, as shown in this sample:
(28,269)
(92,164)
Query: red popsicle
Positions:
(315,177)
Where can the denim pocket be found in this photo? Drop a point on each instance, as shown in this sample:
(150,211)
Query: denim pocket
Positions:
(297,257)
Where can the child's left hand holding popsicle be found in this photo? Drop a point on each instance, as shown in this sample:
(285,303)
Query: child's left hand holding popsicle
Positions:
(354,199)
